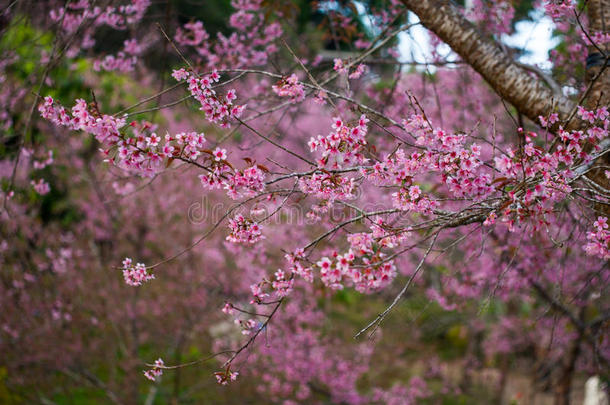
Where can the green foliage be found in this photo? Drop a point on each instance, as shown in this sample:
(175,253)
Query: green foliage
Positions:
(456,400)
(27,44)
(6,396)
(81,395)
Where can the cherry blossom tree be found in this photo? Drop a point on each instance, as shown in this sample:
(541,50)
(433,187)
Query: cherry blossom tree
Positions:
(235,190)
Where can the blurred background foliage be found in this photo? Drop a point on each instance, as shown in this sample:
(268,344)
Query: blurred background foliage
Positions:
(445,332)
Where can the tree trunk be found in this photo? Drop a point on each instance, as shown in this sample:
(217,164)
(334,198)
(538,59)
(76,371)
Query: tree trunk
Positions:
(564,384)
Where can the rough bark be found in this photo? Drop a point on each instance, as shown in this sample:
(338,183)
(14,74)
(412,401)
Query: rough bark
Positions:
(512,82)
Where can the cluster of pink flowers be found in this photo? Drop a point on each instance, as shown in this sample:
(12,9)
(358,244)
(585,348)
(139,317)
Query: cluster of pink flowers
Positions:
(124,61)
(328,186)
(548,174)
(156,371)
(343,146)
(143,152)
(135,275)
(75,14)
(557,9)
(250,44)
(552,119)
(191,34)
(295,265)
(84,15)
(495,16)
(60,259)
(282,284)
(246,183)
(41,164)
(228,308)
(188,144)
(41,186)
(599,239)
(359,71)
(217,109)
(320,97)
(411,199)
(131,153)
(396,168)
(601,114)
(237,183)
(536,201)
(290,87)
(574,53)
(341,67)
(258,292)
(105,128)
(440,299)
(320,208)
(247,326)
(213,179)
(364,266)
(376,270)
(244,230)
(448,154)
(401,395)
(598,38)
(224,377)
(445,154)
